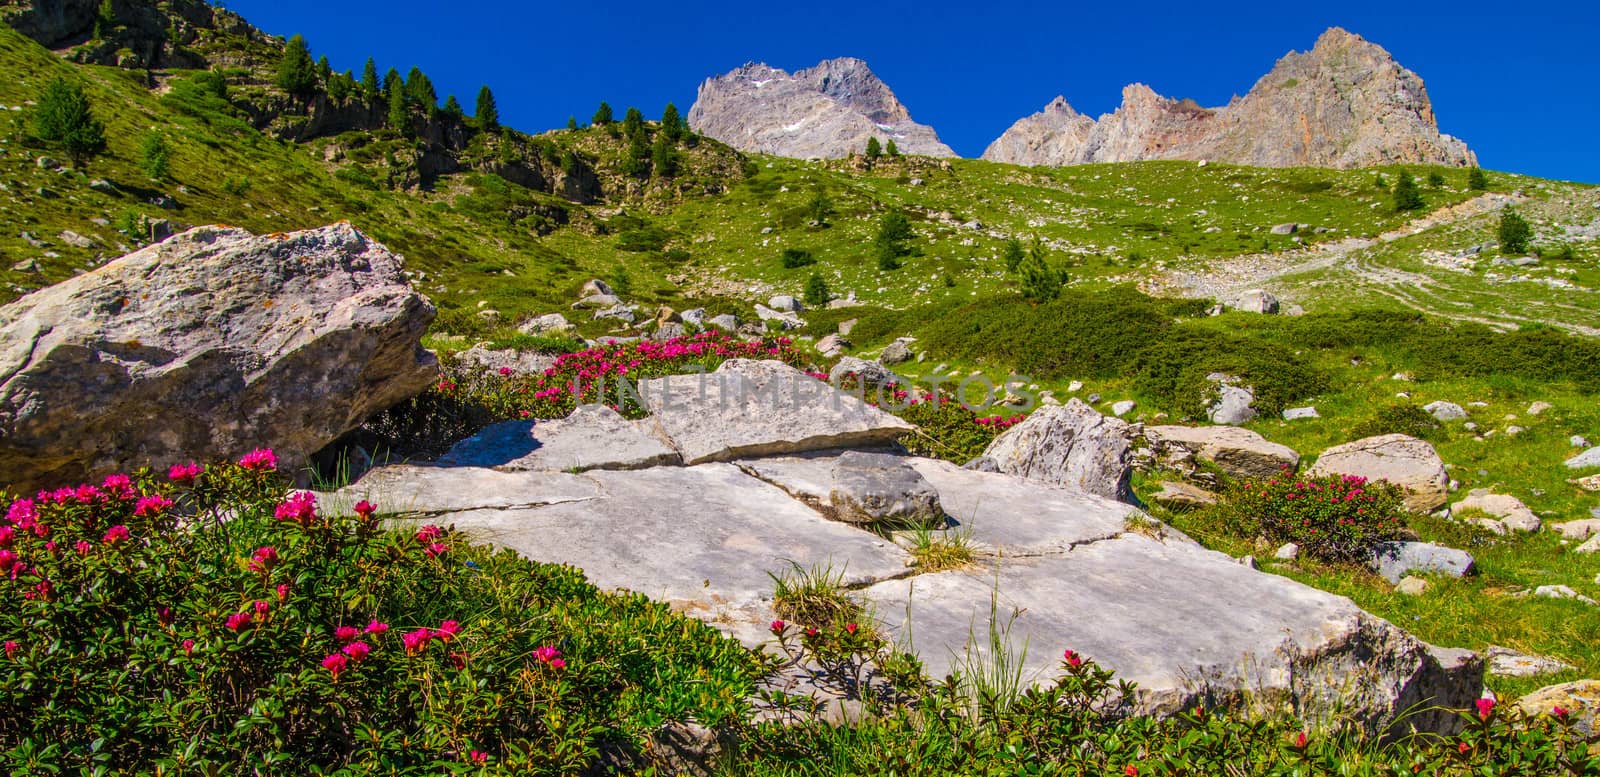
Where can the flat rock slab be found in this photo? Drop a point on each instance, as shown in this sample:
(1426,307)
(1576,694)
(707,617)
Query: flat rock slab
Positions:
(1189,625)
(1505,662)
(1395,560)
(1240,453)
(1407,462)
(421,490)
(592,437)
(702,539)
(762,408)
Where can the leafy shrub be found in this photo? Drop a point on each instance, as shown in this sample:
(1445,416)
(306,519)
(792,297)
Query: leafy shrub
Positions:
(1332,517)
(1514,232)
(817,293)
(1175,369)
(1399,419)
(796,257)
(204,623)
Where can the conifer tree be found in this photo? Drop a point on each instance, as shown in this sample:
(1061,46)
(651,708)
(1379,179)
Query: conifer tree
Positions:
(392,82)
(664,157)
(817,292)
(297,74)
(1407,196)
(105,20)
(632,122)
(1040,281)
(324,71)
(452,107)
(342,85)
(637,162)
(487,113)
(672,123)
(1013,255)
(892,149)
(63,116)
(399,111)
(370,86)
(572,122)
(820,208)
(874,149)
(602,115)
(1476,180)
(155,156)
(1514,232)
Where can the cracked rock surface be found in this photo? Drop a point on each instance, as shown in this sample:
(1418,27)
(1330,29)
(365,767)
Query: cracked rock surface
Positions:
(1062,568)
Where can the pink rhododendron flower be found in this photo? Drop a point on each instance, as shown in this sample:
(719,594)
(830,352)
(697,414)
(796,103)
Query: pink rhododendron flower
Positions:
(299,508)
(366,510)
(448,630)
(115,533)
(416,641)
(12,647)
(185,474)
(478,757)
(263,559)
(238,620)
(429,533)
(547,653)
(22,513)
(357,651)
(283,591)
(83,547)
(262,608)
(436,549)
(335,663)
(1485,707)
(851,627)
(777,627)
(86,494)
(260,460)
(375,628)
(164,615)
(346,633)
(1559,711)
(1073,659)
(6,535)
(8,559)
(119,486)
(1300,740)
(188,647)
(152,505)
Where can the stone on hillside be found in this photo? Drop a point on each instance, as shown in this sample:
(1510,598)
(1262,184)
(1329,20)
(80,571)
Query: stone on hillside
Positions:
(591,437)
(1505,662)
(103,186)
(785,319)
(1120,409)
(694,317)
(1298,413)
(1561,592)
(1285,229)
(1070,445)
(552,322)
(726,322)
(205,347)
(1580,699)
(668,331)
(1176,494)
(1233,403)
(897,352)
(1585,460)
(876,488)
(623,313)
(1412,586)
(1539,407)
(762,408)
(1578,530)
(870,373)
(1395,560)
(1288,551)
(1256,301)
(982,464)
(1239,453)
(832,345)
(484,360)
(1592,546)
(1578,441)
(600,301)
(785,303)
(595,286)
(1405,461)
(846,327)
(75,240)
(1445,411)
(1508,511)
(1165,615)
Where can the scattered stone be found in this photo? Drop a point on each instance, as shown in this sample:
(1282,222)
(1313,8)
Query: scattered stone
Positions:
(1470,426)
(1405,461)
(591,437)
(1505,662)
(897,352)
(1508,511)
(103,186)
(1561,592)
(726,322)
(1445,411)
(623,313)
(1412,585)
(1239,453)
(1539,407)
(694,317)
(870,373)
(1075,387)
(1249,562)
(28,237)
(1395,560)
(597,301)
(1123,408)
(1581,700)
(832,345)
(1585,460)
(1094,398)
(1285,229)
(75,240)
(1513,431)
(1578,441)
(1178,495)
(482,359)
(1578,530)
(596,287)
(47,163)
(1071,445)
(785,319)
(784,303)
(1298,413)
(26,265)
(668,331)
(552,322)
(876,488)
(1287,552)
(1592,546)
(1233,404)
(846,326)
(1257,301)
(205,347)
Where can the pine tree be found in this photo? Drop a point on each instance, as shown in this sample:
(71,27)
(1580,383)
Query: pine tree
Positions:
(664,157)
(1476,180)
(324,71)
(399,111)
(1013,255)
(487,113)
(452,107)
(155,156)
(1407,196)
(817,292)
(63,116)
(1040,281)
(892,149)
(370,85)
(874,149)
(297,74)
(572,122)
(392,83)
(632,122)
(602,115)
(890,244)
(1515,231)
(342,86)
(105,20)
(672,123)
(820,208)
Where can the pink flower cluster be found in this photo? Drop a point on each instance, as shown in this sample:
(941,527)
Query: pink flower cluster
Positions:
(260,460)
(151,506)
(428,536)
(1000,423)
(263,560)
(581,369)
(185,474)
(550,656)
(300,508)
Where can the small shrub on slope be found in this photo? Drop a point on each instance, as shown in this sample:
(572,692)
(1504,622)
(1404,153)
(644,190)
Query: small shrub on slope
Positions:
(1334,518)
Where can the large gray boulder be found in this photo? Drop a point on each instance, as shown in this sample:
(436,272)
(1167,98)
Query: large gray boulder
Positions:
(897,352)
(762,408)
(1257,300)
(1071,445)
(1239,453)
(1445,411)
(1585,460)
(877,488)
(1395,560)
(482,359)
(1405,461)
(1507,511)
(1233,402)
(869,373)
(591,437)
(206,346)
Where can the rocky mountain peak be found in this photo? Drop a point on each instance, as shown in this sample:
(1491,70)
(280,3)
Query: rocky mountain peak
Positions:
(827,110)
(1344,103)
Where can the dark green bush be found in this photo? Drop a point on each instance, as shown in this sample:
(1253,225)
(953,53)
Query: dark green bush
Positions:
(1399,419)
(796,257)
(1176,367)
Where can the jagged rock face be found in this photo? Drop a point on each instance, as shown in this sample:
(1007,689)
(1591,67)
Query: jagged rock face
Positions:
(204,347)
(826,111)
(143,36)
(1345,103)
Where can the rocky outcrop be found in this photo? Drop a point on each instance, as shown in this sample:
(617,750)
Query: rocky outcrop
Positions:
(1405,461)
(206,346)
(1071,445)
(1344,103)
(826,111)
(1238,453)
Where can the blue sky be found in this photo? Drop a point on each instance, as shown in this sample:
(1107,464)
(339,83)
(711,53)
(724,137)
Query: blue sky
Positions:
(1517,81)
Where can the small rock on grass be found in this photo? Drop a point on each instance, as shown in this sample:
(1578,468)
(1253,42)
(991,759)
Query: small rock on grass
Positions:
(1412,585)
